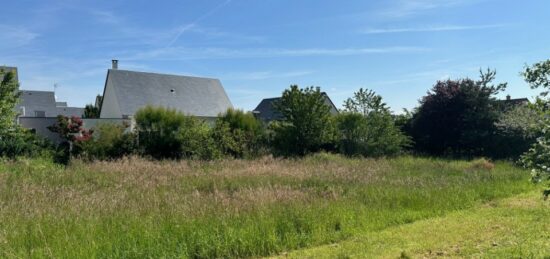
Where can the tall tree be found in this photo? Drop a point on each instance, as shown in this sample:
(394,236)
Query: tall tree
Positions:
(367,127)
(457,117)
(306,126)
(538,156)
(365,101)
(9,97)
(91,112)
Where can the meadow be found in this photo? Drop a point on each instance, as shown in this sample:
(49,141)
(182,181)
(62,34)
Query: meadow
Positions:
(135,208)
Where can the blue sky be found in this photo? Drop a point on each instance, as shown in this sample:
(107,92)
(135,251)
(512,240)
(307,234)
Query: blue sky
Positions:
(257,48)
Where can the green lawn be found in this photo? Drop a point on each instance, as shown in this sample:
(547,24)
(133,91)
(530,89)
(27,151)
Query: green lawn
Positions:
(516,227)
(237,208)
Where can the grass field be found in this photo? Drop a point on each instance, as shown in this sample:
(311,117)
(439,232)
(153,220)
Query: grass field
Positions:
(516,227)
(137,208)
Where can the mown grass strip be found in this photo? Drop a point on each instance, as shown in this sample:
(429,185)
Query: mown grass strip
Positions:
(516,227)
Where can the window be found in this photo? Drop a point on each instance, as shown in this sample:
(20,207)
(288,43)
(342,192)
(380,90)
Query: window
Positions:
(40,114)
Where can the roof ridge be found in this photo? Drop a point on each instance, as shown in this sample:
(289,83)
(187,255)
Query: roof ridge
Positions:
(162,74)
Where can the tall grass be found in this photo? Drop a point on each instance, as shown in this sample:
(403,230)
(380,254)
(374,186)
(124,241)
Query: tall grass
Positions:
(235,208)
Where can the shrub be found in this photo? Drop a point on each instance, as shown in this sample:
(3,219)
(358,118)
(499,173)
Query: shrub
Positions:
(516,130)
(23,143)
(306,126)
(74,136)
(238,134)
(110,141)
(367,127)
(195,140)
(538,159)
(373,135)
(158,131)
(166,133)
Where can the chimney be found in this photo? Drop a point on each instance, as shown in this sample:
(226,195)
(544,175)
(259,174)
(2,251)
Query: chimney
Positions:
(115,63)
(508,97)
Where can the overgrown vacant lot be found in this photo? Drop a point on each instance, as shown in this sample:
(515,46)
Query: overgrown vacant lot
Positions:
(138,208)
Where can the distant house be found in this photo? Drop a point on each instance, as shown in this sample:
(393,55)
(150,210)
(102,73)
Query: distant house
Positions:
(266,109)
(126,92)
(42,104)
(514,102)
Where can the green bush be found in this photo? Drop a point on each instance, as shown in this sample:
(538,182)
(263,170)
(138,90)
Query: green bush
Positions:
(23,143)
(538,159)
(195,140)
(110,141)
(367,128)
(166,133)
(239,134)
(373,135)
(306,126)
(158,131)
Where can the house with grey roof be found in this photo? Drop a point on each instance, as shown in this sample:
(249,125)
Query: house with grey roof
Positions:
(509,101)
(43,104)
(125,92)
(266,109)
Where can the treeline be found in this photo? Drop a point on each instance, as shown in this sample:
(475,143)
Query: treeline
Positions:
(307,127)
(457,118)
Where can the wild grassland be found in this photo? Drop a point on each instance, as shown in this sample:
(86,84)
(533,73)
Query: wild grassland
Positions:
(235,208)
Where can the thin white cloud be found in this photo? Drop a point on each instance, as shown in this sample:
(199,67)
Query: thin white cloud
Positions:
(433,29)
(15,36)
(186,27)
(106,17)
(404,8)
(261,75)
(222,53)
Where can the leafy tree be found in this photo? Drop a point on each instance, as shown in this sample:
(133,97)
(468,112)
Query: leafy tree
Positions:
(458,117)
(538,156)
(306,125)
(522,120)
(14,140)
(538,76)
(91,111)
(368,128)
(364,102)
(9,97)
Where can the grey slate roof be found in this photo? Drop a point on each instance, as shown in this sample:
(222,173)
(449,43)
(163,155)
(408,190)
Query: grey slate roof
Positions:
(266,109)
(32,101)
(191,95)
(70,111)
(44,101)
